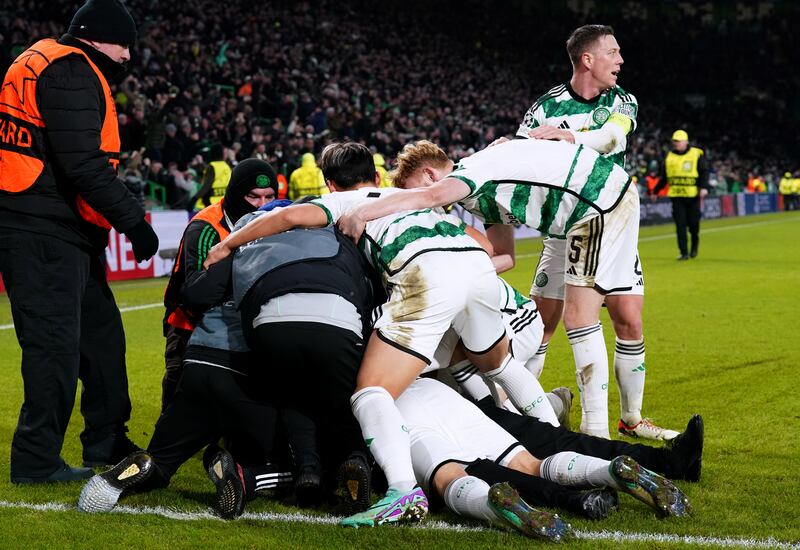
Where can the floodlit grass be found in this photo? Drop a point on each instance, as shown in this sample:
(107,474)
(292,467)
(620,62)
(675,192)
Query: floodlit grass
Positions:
(722,340)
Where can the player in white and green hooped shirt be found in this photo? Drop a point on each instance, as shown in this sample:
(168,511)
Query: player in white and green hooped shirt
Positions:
(591,109)
(437,277)
(562,190)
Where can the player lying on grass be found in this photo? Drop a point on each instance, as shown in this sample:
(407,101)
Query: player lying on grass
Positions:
(455,447)
(680,459)
(560,189)
(438,276)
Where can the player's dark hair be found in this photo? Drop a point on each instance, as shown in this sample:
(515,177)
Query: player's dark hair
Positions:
(347,164)
(582,39)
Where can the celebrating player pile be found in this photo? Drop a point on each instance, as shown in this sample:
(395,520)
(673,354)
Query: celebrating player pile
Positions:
(445,308)
(561,189)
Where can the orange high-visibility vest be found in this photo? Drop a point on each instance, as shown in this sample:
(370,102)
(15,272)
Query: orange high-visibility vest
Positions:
(23,159)
(176,316)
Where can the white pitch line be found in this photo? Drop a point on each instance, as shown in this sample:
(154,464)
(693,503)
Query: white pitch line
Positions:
(121,310)
(432,525)
(705,231)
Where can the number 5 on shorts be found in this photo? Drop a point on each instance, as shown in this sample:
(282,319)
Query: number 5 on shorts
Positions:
(575,249)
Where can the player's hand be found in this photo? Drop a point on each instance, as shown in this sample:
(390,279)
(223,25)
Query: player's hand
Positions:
(653,198)
(352,225)
(218,252)
(498,141)
(551,132)
(703,193)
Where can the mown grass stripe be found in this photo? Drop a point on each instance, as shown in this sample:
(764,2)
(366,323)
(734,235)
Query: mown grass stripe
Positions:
(122,310)
(431,525)
(703,231)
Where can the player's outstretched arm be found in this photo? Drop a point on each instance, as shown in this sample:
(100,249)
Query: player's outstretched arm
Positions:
(277,221)
(441,193)
(481,239)
(502,239)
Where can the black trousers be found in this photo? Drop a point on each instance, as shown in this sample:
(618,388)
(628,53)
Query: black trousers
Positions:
(686,213)
(313,367)
(69,327)
(542,440)
(210,402)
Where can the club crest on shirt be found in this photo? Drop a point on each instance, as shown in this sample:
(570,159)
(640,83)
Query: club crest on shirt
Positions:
(600,115)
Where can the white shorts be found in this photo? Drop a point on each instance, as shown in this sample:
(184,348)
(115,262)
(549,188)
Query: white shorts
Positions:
(444,353)
(445,427)
(616,234)
(439,290)
(525,330)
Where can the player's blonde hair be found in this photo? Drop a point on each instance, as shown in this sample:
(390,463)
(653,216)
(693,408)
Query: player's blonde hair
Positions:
(413,157)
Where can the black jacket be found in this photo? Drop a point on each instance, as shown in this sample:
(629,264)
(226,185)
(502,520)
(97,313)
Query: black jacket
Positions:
(71,102)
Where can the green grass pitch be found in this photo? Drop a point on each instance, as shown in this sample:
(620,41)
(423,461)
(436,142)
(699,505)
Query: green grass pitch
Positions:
(723,339)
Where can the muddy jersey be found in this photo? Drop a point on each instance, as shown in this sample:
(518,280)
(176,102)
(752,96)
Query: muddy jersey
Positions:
(391,242)
(546,185)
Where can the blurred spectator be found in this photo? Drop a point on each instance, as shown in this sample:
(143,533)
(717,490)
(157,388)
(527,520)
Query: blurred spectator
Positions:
(380,167)
(307,180)
(313,71)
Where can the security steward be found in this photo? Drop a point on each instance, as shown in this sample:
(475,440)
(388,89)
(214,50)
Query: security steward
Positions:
(685,171)
(786,188)
(253,183)
(215,179)
(59,197)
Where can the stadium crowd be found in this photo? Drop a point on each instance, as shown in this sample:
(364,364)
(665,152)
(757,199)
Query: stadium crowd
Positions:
(419,293)
(290,77)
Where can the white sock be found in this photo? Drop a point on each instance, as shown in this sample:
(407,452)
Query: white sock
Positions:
(536,363)
(630,372)
(556,403)
(470,380)
(577,470)
(469,496)
(591,373)
(523,390)
(385,435)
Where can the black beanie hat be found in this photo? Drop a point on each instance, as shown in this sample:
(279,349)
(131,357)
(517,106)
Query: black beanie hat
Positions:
(248,174)
(104,21)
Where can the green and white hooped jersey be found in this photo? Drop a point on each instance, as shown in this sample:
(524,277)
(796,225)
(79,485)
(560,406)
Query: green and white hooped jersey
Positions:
(510,298)
(546,185)
(563,108)
(391,242)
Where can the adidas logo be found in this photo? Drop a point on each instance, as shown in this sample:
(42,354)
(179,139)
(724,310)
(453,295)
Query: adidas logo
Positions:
(564,125)
(571,270)
(640,283)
